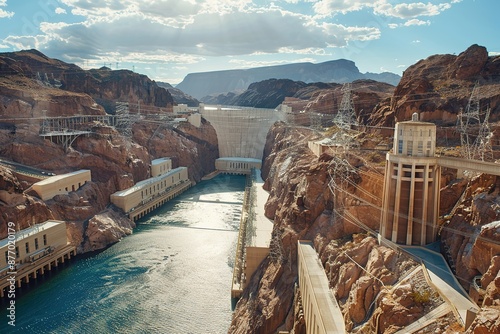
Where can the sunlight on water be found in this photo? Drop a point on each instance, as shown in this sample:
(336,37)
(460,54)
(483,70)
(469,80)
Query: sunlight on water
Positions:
(173,275)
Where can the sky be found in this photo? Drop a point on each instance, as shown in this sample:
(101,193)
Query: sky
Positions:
(167,39)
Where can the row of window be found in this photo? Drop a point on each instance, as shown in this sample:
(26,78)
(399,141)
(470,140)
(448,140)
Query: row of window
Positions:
(409,147)
(239,165)
(411,132)
(27,247)
(157,187)
(73,187)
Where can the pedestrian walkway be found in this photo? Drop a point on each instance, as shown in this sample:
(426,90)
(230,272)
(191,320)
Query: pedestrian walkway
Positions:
(443,279)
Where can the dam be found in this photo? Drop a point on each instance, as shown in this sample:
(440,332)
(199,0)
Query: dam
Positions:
(241,134)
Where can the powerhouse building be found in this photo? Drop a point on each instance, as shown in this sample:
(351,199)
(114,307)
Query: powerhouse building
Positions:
(61,184)
(145,191)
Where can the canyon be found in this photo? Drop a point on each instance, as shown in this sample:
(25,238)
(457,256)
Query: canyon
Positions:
(300,203)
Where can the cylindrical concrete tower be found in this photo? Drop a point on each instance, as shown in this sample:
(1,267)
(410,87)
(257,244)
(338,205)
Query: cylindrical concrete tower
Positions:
(411,189)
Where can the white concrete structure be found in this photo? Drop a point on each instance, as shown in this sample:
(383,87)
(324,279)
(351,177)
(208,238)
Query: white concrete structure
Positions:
(35,250)
(61,184)
(411,188)
(241,131)
(322,312)
(145,191)
(237,165)
(258,247)
(195,119)
(160,166)
(181,109)
(34,242)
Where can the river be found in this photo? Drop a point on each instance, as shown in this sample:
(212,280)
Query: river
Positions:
(172,275)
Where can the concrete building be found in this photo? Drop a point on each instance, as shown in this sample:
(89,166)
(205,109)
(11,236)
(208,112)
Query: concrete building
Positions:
(237,165)
(37,249)
(145,191)
(318,147)
(160,166)
(61,184)
(411,187)
(321,311)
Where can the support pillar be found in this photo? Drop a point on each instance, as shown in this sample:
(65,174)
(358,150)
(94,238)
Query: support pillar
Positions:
(409,231)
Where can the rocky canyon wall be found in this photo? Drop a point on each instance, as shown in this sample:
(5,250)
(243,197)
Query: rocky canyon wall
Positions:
(367,279)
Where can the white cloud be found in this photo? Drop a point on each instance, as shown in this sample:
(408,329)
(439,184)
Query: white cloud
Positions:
(325,8)
(133,28)
(415,41)
(261,63)
(416,22)
(25,42)
(409,10)
(184,32)
(4,13)
(333,7)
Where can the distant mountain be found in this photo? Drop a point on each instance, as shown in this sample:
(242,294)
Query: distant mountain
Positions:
(317,97)
(179,96)
(203,84)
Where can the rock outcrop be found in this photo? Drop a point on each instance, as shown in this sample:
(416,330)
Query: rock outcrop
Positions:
(52,82)
(104,229)
(439,87)
(34,86)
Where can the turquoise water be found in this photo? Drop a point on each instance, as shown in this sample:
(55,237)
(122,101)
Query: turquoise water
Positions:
(172,275)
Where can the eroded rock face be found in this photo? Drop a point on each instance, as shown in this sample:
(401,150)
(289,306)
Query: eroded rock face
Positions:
(486,322)
(16,207)
(440,86)
(106,228)
(301,204)
(472,235)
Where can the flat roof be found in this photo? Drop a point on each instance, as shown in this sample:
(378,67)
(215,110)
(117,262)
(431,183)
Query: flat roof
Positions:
(236,159)
(159,161)
(263,225)
(416,123)
(61,177)
(142,183)
(330,314)
(22,234)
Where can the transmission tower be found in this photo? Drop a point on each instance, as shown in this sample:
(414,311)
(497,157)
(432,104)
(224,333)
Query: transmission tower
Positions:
(482,148)
(475,134)
(123,121)
(346,117)
(340,171)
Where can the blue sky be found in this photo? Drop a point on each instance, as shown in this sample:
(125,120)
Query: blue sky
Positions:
(167,39)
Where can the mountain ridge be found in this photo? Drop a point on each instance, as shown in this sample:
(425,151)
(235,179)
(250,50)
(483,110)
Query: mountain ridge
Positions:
(202,84)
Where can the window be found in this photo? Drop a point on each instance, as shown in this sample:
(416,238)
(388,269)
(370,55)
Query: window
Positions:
(409,147)
(36,243)
(428,148)
(27,247)
(17,252)
(6,257)
(400,146)
(45,239)
(420,147)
